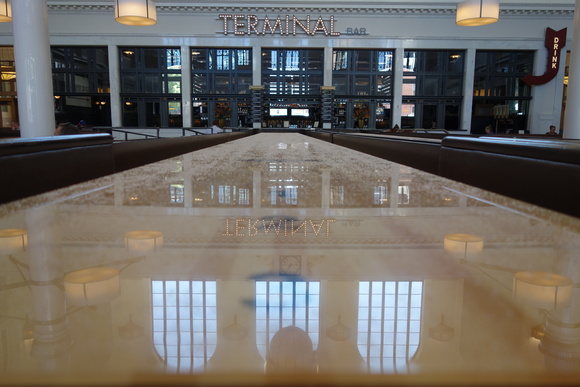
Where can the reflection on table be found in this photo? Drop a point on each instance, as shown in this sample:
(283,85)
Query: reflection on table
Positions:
(281,253)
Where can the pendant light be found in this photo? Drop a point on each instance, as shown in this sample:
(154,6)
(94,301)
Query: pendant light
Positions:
(135,12)
(472,13)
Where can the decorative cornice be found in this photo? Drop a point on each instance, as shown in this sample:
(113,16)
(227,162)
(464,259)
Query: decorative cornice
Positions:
(363,8)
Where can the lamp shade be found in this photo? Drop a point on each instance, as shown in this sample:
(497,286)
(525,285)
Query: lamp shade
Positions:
(93,286)
(135,12)
(143,241)
(547,291)
(13,240)
(477,12)
(462,244)
(5,11)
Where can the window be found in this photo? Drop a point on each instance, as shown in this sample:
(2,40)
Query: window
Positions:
(292,72)
(184,323)
(362,72)
(221,71)
(80,70)
(432,81)
(497,82)
(150,70)
(286,303)
(389,327)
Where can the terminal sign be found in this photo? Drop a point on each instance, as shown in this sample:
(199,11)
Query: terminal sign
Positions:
(555,40)
(287,25)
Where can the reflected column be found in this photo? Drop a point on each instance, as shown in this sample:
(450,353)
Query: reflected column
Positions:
(52,339)
(236,323)
(257,188)
(325,191)
(561,342)
(337,348)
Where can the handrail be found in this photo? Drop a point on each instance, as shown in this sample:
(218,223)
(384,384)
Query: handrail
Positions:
(183,130)
(127,132)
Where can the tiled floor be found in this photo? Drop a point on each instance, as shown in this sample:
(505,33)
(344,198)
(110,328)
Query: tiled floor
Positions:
(279,254)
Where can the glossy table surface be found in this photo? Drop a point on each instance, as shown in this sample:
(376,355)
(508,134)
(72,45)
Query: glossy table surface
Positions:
(282,259)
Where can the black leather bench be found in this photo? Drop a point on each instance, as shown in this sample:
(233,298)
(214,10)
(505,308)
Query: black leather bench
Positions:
(30,166)
(543,172)
(419,153)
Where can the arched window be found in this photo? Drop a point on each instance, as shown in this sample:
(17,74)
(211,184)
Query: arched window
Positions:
(389,327)
(286,303)
(184,323)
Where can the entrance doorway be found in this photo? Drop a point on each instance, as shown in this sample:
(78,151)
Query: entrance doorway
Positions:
(152,112)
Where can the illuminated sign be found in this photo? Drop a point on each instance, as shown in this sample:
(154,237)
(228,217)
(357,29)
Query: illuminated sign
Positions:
(287,25)
(554,42)
(248,227)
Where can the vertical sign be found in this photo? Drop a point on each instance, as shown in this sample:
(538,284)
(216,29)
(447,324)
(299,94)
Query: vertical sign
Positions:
(555,40)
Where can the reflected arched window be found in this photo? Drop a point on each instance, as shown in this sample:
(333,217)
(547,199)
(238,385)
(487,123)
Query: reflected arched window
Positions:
(184,323)
(281,304)
(389,324)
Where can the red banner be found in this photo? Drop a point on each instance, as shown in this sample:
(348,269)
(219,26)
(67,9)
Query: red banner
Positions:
(555,40)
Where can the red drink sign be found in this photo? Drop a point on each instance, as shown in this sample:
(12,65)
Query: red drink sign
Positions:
(555,40)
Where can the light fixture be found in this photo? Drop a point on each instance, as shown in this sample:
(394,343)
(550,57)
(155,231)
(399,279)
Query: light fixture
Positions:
(472,13)
(462,245)
(5,11)
(339,331)
(143,241)
(538,331)
(13,240)
(135,12)
(93,286)
(546,291)
(131,331)
(8,75)
(235,331)
(442,332)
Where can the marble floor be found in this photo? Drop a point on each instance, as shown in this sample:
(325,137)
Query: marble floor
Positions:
(279,259)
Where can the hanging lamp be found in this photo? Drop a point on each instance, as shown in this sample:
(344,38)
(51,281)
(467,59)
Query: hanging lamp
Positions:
(135,12)
(5,11)
(472,13)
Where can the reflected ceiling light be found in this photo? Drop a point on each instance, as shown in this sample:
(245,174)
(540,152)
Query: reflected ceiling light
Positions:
(538,289)
(93,286)
(5,11)
(13,240)
(135,12)
(462,244)
(472,13)
(143,241)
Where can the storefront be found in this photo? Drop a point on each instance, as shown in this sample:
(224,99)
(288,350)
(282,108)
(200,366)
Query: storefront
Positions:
(315,67)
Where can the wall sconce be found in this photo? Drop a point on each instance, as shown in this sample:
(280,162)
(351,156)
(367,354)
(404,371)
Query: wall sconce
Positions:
(472,13)
(541,290)
(135,12)
(13,240)
(143,241)
(442,332)
(93,286)
(462,245)
(339,331)
(538,331)
(131,331)
(235,331)
(5,11)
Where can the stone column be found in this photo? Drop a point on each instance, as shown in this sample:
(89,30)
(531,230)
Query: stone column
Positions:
(33,66)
